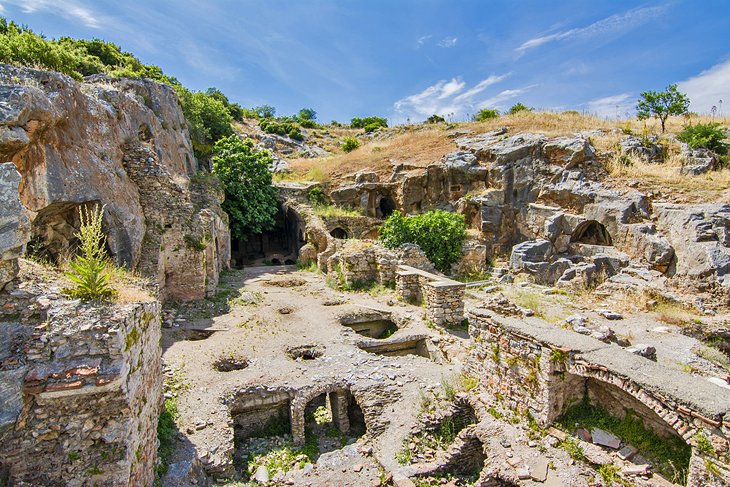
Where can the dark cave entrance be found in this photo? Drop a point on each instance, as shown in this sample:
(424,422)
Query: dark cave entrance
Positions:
(339,233)
(278,246)
(386,206)
(54,231)
(591,233)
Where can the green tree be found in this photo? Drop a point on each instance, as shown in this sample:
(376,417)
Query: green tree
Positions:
(435,119)
(662,104)
(364,123)
(307,114)
(485,114)
(518,107)
(440,234)
(244,173)
(265,111)
(208,119)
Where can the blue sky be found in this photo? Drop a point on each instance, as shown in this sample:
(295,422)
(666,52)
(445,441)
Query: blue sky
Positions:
(407,59)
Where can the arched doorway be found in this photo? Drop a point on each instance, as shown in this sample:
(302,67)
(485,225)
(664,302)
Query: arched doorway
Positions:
(591,233)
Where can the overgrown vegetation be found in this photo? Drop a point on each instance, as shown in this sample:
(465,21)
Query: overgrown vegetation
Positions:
(244,173)
(350,144)
(369,124)
(283,126)
(670,455)
(705,136)
(440,234)
(435,119)
(517,108)
(89,268)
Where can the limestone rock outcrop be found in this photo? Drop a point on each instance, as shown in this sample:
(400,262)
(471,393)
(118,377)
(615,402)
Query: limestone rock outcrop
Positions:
(74,144)
(14,224)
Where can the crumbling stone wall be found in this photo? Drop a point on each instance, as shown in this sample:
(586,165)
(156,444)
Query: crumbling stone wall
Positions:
(187,242)
(81,395)
(536,373)
(444,298)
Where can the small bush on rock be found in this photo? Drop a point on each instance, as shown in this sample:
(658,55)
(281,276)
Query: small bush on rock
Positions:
(440,234)
(350,144)
(435,119)
(519,107)
(88,269)
(704,136)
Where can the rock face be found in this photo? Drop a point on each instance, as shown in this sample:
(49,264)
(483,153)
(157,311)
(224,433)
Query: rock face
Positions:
(122,143)
(14,224)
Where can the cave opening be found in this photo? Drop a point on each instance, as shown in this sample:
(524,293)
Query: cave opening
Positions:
(386,206)
(591,232)
(278,246)
(339,233)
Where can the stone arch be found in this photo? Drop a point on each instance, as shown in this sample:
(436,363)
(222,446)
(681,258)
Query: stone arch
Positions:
(339,233)
(591,232)
(649,409)
(345,408)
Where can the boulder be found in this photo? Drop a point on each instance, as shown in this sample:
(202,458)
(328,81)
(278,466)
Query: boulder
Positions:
(569,151)
(644,147)
(532,251)
(14,223)
(698,161)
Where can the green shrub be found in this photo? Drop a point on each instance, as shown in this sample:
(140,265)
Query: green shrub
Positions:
(372,127)
(371,122)
(308,124)
(307,114)
(316,196)
(208,119)
(265,111)
(486,114)
(283,126)
(350,144)
(519,107)
(88,269)
(250,199)
(435,119)
(706,136)
(440,234)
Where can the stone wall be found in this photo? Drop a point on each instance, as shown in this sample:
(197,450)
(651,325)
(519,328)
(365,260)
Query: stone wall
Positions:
(539,371)
(443,298)
(81,395)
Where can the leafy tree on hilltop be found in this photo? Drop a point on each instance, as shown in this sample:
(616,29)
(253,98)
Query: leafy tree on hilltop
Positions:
(208,119)
(435,119)
(486,114)
(307,114)
(244,173)
(662,104)
(265,111)
(519,107)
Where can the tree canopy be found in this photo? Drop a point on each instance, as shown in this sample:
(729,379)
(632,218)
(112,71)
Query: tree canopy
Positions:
(662,104)
(244,173)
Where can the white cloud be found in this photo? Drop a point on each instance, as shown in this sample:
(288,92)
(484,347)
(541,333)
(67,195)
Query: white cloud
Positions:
(445,98)
(614,106)
(448,42)
(69,9)
(422,40)
(498,100)
(616,22)
(709,87)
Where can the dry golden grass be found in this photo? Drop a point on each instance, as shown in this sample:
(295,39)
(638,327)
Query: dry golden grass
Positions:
(418,148)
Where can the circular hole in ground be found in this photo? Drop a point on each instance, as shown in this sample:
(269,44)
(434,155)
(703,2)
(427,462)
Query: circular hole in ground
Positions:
(305,352)
(230,363)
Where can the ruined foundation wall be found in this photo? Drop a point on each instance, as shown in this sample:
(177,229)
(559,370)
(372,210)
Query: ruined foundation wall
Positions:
(444,298)
(529,373)
(88,392)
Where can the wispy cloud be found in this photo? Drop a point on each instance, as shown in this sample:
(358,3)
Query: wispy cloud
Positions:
(706,89)
(446,98)
(422,40)
(500,98)
(448,42)
(617,22)
(614,106)
(69,9)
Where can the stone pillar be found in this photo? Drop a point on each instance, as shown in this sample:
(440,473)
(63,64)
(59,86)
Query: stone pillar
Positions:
(338,404)
(407,286)
(444,302)
(297,422)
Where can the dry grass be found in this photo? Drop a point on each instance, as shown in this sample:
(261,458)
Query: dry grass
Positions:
(418,148)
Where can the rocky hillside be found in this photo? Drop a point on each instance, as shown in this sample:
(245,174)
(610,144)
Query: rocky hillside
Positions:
(124,144)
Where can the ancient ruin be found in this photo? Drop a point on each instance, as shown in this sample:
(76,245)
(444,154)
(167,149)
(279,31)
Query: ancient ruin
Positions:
(579,338)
